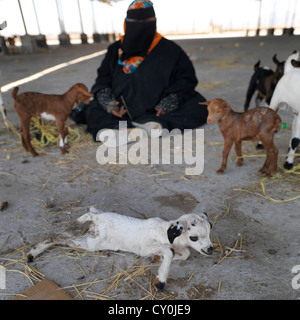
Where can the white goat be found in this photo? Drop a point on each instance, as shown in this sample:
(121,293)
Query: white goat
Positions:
(287,92)
(111,231)
(288,62)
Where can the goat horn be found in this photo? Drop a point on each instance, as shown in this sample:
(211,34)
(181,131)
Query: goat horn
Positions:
(256,66)
(275,60)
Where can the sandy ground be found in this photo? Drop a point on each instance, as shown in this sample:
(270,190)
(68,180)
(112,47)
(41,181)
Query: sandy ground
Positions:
(256,239)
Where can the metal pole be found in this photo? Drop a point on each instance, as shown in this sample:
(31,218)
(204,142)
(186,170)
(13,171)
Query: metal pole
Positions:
(273,18)
(36,17)
(22,17)
(60,17)
(286,24)
(94,19)
(294,14)
(80,17)
(259,15)
(259,18)
(96,35)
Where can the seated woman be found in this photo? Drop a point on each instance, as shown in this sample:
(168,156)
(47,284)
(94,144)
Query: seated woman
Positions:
(144,78)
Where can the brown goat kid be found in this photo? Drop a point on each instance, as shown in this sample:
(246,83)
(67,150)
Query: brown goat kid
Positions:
(49,106)
(255,124)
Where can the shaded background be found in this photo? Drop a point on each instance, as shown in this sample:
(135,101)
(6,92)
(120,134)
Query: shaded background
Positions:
(51,17)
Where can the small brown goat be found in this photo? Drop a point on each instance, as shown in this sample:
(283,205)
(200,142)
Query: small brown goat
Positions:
(49,106)
(255,124)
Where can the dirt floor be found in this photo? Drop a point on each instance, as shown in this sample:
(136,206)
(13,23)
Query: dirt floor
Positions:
(255,234)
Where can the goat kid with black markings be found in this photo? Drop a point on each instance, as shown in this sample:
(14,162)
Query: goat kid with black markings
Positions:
(288,93)
(98,230)
(50,107)
(264,80)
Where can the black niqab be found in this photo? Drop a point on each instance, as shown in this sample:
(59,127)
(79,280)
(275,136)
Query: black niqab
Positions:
(138,38)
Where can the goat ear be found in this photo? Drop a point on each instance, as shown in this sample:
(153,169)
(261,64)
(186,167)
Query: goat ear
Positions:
(256,66)
(206,103)
(89,94)
(295,63)
(86,93)
(174,231)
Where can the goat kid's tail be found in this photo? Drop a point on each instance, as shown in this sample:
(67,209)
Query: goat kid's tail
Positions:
(14,92)
(278,124)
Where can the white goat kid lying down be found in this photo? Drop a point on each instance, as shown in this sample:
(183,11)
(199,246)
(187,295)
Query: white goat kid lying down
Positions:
(111,231)
(287,92)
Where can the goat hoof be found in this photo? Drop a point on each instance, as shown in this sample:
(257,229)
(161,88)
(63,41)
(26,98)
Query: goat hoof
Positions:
(259,146)
(239,163)
(263,171)
(268,175)
(63,150)
(156,259)
(159,285)
(288,166)
(29,258)
(271,173)
(220,171)
(34,154)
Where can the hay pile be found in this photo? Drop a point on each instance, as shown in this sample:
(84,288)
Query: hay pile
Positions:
(283,186)
(45,134)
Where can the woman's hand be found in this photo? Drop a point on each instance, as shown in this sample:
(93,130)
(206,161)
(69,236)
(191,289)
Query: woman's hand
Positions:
(159,112)
(120,113)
